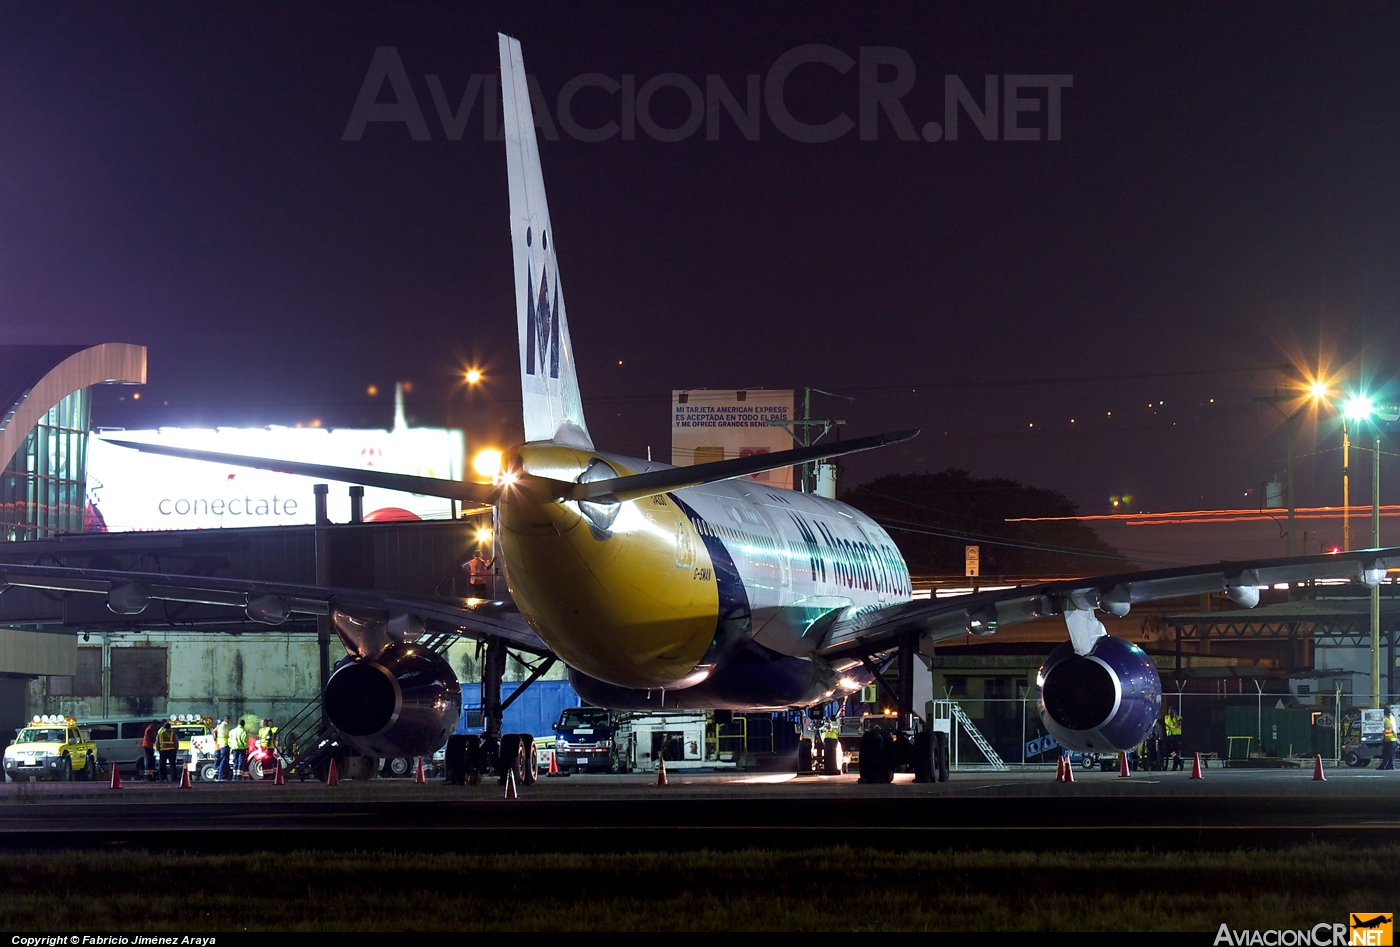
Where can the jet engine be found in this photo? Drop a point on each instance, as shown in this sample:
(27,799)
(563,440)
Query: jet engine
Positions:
(401,702)
(1102,701)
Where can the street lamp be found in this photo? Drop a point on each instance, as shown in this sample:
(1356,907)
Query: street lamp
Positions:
(1363,408)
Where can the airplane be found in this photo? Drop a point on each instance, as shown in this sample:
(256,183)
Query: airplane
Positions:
(667,587)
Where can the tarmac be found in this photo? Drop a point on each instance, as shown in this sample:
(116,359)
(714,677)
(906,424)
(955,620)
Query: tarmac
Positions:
(1008,810)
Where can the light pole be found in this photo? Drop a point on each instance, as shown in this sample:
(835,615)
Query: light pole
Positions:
(1361,408)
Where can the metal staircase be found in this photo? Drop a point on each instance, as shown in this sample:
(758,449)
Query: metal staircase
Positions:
(950,709)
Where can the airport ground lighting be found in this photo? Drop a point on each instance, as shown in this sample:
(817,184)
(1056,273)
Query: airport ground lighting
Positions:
(1363,409)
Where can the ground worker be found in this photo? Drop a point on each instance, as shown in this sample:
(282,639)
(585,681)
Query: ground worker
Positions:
(1171,725)
(1388,742)
(167,743)
(221,741)
(148,749)
(479,575)
(267,735)
(238,749)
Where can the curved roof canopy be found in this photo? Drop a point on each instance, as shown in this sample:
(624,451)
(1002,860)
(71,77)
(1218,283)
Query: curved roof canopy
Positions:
(34,378)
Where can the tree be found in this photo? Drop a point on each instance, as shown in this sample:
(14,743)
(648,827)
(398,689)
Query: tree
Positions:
(932,516)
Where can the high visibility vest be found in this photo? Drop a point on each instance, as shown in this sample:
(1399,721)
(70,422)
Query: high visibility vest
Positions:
(1388,735)
(238,738)
(479,569)
(221,735)
(1173,725)
(265,735)
(165,739)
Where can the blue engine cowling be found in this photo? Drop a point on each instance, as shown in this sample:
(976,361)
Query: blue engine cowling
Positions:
(1106,700)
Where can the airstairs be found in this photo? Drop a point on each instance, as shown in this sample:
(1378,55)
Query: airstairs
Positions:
(950,711)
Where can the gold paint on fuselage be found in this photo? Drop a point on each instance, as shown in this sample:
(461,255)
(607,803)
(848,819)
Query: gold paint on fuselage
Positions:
(637,608)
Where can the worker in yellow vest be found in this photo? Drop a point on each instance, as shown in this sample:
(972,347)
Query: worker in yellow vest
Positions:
(1171,726)
(1388,743)
(238,749)
(166,745)
(221,741)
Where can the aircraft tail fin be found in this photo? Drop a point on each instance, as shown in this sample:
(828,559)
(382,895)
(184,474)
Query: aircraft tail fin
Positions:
(548,379)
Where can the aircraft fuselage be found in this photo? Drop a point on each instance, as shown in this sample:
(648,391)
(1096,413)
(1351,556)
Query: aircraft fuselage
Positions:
(657,592)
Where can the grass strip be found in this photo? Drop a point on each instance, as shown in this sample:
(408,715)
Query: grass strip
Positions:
(822,889)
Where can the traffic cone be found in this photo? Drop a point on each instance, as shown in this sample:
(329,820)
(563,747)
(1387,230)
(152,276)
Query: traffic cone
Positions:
(333,775)
(1060,768)
(1069,770)
(116,776)
(553,764)
(1123,764)
(661,772)
(185,778)
(420,776)
(1196,768)
(1317,769)
(279,778)
(510,784)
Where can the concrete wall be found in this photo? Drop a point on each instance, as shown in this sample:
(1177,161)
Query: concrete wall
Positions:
(268,674)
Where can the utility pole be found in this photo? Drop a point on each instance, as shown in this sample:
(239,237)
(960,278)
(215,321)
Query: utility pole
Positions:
(806,473)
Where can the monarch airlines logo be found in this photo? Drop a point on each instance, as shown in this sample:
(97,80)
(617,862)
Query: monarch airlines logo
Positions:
(541,326)
(1363,929)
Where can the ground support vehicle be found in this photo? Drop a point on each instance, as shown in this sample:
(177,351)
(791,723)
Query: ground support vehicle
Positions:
(833,747)
(641,740)
(1361,735)
(583,740)
(187,727)
(52,748)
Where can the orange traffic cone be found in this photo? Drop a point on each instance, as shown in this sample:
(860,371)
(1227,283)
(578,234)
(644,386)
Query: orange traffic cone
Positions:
(279,778)
(1123,764)
(1060,768)
(510,784)
(185,778)
(1069,770)
(553,764)
(420,776)
(116,776)
(1196,768)
(661,772)
(333,775)
(1317,768)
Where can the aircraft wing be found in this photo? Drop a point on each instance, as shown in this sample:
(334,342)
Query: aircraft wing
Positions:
(270,603)
(870,630)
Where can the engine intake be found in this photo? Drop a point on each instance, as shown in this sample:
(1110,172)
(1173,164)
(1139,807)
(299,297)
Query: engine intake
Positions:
(403,702)
(1106,700)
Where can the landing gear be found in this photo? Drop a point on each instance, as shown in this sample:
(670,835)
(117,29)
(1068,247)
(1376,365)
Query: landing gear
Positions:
(832,762)
(511,759)
(804,756)
(456,761)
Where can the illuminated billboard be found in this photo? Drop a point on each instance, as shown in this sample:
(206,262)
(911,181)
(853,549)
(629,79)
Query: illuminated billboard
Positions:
(708,425)
(131,490)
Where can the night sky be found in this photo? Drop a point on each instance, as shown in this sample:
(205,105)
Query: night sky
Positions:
(1224,198)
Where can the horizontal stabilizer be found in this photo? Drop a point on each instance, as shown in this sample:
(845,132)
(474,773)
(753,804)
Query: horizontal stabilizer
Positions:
(675,478)
(483,493)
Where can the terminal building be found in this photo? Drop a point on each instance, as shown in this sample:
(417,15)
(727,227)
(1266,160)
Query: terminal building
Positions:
(71,497)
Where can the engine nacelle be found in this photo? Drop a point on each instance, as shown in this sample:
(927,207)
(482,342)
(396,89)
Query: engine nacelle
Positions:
(1106,700)
(403,702)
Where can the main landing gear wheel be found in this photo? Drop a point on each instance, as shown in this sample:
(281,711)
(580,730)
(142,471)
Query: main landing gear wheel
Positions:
(509,758)
(831,756)
(398,768)
(804,755)
(527,754)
